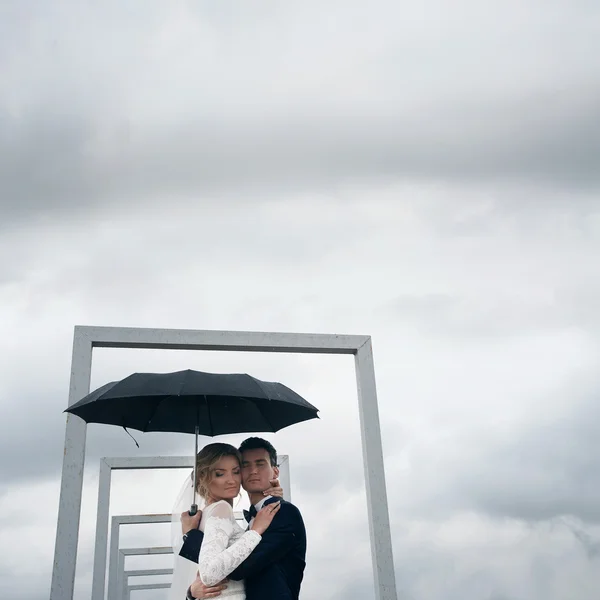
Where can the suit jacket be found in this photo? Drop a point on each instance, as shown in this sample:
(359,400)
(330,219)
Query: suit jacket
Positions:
(275,569)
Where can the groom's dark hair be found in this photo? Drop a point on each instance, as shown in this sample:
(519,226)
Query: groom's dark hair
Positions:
(256,443)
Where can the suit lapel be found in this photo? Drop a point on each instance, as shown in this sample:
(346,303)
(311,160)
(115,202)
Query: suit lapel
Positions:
(273,499)
(269,501)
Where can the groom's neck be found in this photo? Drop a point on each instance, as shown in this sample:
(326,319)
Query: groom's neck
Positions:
(256,497)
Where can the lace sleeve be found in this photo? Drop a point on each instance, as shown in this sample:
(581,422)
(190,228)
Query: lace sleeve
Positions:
(218,556)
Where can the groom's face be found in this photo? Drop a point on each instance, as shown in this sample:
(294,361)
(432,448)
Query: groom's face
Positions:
(257,472)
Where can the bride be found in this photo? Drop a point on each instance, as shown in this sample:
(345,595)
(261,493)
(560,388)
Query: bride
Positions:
(225,545)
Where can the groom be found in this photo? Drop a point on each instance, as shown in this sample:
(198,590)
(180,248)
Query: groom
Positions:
(276,566)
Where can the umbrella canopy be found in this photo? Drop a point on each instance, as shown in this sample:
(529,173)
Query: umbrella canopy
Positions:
(194,402)
(216,404)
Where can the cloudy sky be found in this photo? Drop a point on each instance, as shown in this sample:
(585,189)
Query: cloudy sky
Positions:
(427,173)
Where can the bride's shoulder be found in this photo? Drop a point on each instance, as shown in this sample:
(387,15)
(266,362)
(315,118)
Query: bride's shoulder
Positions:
(222,508)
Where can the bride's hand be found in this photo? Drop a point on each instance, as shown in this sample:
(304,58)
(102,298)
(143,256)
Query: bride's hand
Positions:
(188,523)
(275,489)
(264,517)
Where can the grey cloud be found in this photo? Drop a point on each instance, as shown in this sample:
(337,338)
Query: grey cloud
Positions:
(589,543)
(444,314)
(258,108)
(42,161)
(38,430)
(358,589)
(71,144)
(114,246)
(501,314)
(416,579)
(437,566)
(45,166)
(543,473)
(580,304)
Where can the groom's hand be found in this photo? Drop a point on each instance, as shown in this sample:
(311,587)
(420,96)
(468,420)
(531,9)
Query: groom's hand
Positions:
(188,523)
(201,591)
(275,489)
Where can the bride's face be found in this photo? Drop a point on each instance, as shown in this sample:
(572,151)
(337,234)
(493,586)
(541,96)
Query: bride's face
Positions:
(226,479)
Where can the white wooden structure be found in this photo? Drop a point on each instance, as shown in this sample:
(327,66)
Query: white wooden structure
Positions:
(131,587)
(87,338)
(119,579)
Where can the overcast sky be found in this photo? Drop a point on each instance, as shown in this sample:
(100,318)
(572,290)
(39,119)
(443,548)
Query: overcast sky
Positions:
(427,173)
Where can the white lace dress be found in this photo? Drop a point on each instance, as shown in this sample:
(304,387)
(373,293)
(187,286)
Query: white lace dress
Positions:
(224,547)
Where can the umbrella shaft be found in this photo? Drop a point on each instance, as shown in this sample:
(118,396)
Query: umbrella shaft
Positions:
(195,463)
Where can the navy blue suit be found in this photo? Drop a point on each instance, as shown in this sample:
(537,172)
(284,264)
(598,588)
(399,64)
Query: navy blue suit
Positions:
(275,569)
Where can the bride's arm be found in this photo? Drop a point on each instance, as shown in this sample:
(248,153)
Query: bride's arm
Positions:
(217,558)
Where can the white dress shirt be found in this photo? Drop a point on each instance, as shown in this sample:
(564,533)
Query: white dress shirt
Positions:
(258,506)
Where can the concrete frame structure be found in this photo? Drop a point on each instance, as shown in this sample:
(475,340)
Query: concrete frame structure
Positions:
(147,586)
(128,588)
(123,586)
(87,338)
(116,577)
(107,465)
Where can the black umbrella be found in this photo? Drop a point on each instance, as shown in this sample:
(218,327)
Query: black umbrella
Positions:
(194,402)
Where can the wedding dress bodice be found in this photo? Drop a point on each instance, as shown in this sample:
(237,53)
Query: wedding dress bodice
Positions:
(225,546)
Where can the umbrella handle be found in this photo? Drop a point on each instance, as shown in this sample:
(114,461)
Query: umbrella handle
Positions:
(194,509)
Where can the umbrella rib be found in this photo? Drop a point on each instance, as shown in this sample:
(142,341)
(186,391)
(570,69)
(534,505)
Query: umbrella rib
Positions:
(259,384)
(264,416)
(210,423)
(145,430)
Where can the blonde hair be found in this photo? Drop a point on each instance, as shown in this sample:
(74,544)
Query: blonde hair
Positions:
(206,460)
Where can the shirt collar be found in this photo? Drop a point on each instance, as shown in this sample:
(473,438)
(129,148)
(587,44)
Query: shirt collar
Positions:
(260,504)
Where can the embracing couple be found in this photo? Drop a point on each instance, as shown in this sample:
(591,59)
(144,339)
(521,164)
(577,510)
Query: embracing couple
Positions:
(216,557)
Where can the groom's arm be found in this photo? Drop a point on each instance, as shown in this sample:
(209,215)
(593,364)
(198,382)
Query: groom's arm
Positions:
(192,538)
(192,541)
(277,540)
